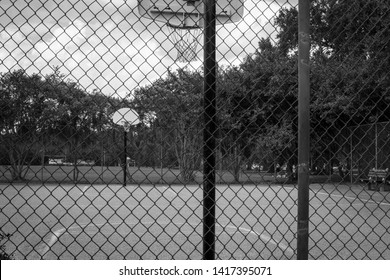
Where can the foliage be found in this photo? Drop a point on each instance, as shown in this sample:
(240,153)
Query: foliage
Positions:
(257,99)
(3,254)
(175,104)
(47,115)
(349,62)
(25,116)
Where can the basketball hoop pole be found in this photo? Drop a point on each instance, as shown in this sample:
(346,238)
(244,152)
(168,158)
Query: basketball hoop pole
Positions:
(125,117)
(124,166)
(209,91)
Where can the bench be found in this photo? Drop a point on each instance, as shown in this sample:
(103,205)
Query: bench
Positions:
(378,179)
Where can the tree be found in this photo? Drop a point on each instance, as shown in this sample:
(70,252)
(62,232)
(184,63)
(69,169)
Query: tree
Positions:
(349,62)
(237,117)
(26,113)
(260,106)
(357,28)
(48,115)
(81,116)
(175,103)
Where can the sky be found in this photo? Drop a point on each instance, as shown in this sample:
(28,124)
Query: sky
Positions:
(105,45)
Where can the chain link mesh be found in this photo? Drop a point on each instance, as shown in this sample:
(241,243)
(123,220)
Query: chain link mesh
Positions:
(68,65)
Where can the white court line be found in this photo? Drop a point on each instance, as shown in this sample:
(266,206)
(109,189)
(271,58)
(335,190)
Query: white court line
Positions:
(52,240)
(265,238)
(57,234)
(353,198)
(84,189)
(343,196)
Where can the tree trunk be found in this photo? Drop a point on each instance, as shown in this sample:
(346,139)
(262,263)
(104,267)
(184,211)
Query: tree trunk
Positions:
(185,146)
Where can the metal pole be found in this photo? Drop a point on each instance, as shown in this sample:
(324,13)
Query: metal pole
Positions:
(161,156)
(303,128)
(376,144)
(124,165)
(209,87)
(351,154)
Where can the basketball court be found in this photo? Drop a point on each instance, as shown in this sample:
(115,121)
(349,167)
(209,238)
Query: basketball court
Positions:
(148,212)
(67,221)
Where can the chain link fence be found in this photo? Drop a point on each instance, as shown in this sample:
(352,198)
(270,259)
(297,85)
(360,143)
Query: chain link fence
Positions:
(77,183)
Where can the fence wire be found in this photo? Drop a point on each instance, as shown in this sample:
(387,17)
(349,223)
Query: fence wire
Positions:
(78,184)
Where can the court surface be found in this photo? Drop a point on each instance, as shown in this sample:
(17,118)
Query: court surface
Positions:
(100,221)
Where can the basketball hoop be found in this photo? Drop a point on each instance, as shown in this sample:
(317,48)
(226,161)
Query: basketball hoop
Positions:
(186,41)
(185,20)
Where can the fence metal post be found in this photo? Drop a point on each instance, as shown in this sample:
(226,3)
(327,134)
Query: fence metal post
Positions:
(303,128)
(209,88)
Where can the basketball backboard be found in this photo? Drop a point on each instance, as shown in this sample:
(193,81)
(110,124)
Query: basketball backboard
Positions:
(125,117)
(189,13)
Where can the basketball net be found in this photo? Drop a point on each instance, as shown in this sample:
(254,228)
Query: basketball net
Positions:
(186,42)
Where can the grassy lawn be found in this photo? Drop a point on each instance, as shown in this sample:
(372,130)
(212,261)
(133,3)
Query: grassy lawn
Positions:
(140,175)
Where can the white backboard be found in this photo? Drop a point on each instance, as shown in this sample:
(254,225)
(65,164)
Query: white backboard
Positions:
(189,13)
(125,117)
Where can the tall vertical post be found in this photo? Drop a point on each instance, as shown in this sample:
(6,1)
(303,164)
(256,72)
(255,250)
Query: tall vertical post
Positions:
(124,163)
(209,103)
(351,154)
(376,143)
(303,128)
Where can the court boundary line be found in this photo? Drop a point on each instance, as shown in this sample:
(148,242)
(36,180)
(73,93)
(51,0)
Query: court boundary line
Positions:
(53,239)
(266,238)
(353,198)
(343,196)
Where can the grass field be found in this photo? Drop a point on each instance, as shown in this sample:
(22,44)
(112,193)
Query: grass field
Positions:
(142,175)
(164,221)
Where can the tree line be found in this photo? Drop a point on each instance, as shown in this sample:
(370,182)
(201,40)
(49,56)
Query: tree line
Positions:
(256,100)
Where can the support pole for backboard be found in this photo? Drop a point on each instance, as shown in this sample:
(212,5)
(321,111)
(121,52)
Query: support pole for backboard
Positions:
(303,128)
(124,163)
(209,144)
